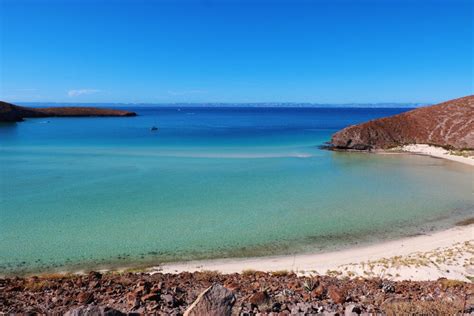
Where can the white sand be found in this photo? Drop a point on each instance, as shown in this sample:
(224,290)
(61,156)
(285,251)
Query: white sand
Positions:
(438,152)
(448,253)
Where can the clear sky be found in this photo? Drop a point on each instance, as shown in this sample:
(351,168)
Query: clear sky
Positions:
(236,51)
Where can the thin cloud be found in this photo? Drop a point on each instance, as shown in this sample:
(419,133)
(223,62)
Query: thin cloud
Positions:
(79,92)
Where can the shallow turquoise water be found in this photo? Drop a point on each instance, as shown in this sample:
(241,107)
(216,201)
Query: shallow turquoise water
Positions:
(90,192)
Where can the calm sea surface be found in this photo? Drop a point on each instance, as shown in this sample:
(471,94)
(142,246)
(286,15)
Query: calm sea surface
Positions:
(210,183)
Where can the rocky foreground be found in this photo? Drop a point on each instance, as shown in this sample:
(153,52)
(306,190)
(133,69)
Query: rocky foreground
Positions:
(449,125)
(251,292)
(14,113)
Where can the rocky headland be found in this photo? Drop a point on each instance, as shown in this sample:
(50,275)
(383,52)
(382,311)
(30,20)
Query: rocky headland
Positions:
(248,293)
(15,113)
(449,125)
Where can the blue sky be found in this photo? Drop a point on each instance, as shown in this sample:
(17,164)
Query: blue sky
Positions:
(236,51)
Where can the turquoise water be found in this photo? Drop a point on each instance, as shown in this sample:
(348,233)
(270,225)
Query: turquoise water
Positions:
(211,183)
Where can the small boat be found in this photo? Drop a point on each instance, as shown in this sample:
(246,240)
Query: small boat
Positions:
(153,128)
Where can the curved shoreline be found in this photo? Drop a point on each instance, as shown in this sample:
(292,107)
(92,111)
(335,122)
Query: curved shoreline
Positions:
(435,152)
(409,258)
(397,258)
(351,261)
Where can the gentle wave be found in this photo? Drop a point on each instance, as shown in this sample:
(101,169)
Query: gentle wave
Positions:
(239,156)
(149,153)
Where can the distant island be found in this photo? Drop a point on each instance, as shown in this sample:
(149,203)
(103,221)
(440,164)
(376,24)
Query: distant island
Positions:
(449,125)
(243,105)
(14,113)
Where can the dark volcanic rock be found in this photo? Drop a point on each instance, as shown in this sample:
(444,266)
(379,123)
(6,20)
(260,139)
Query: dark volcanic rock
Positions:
(85,298)
(216,300)
(173,294)
(93,311)
(14,113)
(336,295)
(259,298)
(449,124)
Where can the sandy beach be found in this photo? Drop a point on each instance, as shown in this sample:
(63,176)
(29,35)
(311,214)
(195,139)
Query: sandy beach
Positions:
(446,254)
(437,152)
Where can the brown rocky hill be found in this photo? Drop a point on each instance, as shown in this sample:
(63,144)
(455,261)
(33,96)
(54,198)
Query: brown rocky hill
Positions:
(449,124)
(14,113)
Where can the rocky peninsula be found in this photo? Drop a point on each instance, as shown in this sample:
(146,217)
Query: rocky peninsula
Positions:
(15,113)
(449,125)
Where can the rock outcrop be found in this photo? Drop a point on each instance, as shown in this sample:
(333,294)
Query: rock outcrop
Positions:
(214,301)
(449,125)
(9,113)
(93,310)
(254,293)
(14,113)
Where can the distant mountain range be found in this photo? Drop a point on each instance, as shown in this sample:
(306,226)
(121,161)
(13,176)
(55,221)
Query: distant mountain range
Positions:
(257,104)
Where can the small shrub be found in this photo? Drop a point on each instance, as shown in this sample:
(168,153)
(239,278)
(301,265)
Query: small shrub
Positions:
(248,272)
(37,285)
(207,275)
(309,285)
(280,273)
(446,283)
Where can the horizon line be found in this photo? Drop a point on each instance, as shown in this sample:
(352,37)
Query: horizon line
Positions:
(227,104)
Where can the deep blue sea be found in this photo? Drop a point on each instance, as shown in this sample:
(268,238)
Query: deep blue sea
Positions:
(209,183)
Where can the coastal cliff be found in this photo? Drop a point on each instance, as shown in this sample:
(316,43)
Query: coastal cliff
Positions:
(449,124)
(14,113)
